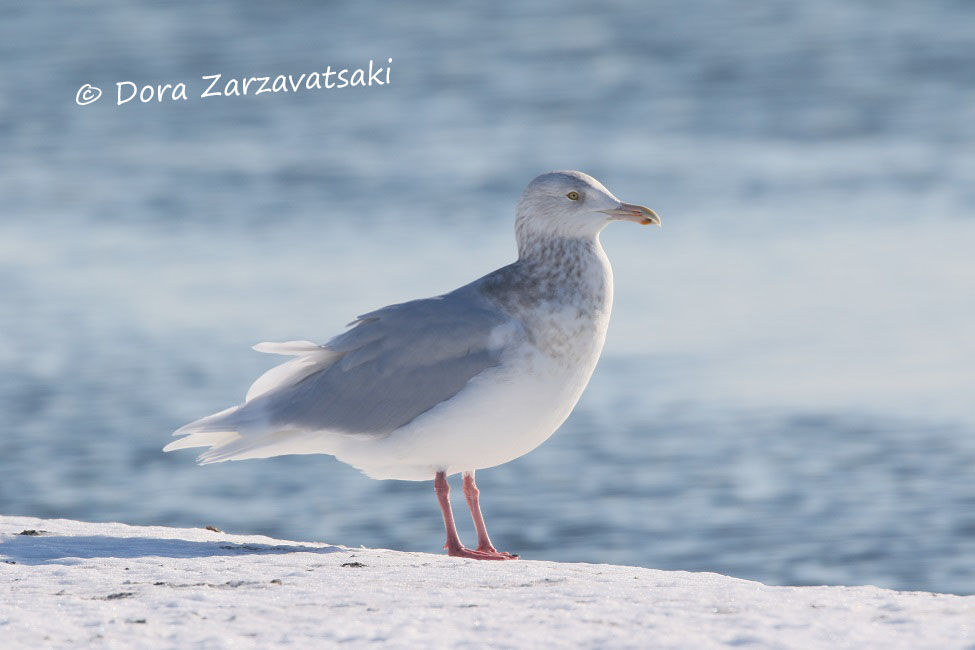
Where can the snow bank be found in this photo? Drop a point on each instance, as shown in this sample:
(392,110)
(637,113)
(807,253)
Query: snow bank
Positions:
(114,585)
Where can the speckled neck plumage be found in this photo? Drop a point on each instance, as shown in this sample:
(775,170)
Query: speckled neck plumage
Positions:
(560,287)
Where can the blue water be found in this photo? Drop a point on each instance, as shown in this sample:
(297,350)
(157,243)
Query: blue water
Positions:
(786,392)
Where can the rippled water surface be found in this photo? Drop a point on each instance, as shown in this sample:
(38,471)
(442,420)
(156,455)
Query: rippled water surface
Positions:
(786,392)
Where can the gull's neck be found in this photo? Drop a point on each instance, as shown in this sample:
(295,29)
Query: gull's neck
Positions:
(549,254)
(561,289)
(561,269)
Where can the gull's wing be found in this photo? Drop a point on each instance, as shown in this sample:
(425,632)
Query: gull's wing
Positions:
(394,364)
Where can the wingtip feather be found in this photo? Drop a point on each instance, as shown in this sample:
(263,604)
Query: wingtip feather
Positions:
(288,348)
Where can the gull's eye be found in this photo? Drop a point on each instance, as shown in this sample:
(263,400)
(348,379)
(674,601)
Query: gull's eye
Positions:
(573,195)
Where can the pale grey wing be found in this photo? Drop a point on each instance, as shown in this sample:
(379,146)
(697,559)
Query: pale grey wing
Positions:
(396,363)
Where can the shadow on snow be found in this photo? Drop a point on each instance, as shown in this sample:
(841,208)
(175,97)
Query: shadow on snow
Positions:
(49,549)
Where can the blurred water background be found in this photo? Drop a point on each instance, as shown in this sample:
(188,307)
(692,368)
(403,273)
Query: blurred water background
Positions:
(786,392)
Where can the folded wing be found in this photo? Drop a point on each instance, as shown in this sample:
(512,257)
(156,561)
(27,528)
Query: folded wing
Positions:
(394,364)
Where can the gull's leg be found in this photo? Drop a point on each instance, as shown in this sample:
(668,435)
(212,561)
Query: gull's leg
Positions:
(442,488)
(471,493)
(453,545)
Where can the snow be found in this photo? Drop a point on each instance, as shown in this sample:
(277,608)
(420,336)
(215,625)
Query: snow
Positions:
(119,586)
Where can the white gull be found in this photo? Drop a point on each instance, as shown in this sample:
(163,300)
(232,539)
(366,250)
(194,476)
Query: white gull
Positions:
(464,381)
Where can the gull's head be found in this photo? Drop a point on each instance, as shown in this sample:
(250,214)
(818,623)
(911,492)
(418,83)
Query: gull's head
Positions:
(573,204)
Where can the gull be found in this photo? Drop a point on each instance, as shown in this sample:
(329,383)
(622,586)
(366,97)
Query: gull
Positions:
(452,384)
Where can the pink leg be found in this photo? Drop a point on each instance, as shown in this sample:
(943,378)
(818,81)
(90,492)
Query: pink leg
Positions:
(453,545)
(471,493)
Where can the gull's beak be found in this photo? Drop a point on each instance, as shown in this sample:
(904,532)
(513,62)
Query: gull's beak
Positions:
(636,213)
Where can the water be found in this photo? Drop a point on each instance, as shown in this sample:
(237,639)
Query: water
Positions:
(786,392)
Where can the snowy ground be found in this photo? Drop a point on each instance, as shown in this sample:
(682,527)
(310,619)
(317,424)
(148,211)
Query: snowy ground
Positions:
(114,585)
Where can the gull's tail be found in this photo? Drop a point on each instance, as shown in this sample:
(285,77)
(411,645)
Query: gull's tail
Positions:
(212,431)
(236,432)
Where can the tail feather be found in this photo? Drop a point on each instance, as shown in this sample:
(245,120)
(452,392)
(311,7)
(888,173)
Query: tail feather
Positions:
(203,439)
(237,432)
(213,430)
(266,445)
